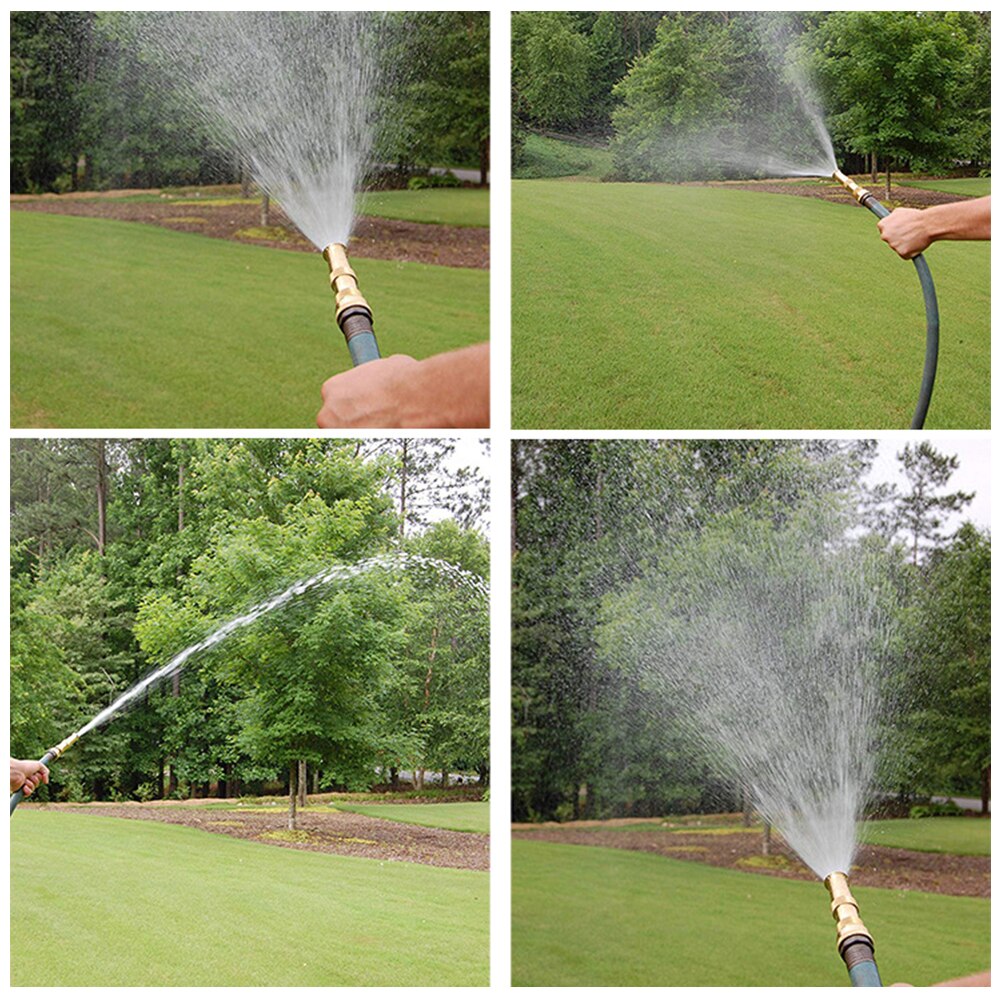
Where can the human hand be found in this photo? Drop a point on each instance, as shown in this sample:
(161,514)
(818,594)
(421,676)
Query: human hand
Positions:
(450,390)
(377,394)
(906,231)
(27,775)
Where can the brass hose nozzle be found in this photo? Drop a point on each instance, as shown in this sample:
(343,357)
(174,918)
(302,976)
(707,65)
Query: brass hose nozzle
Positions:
(859,193)
(845,910)
(343,281)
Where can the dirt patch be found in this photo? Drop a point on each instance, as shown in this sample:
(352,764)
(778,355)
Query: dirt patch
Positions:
(915,198)
(327,831)
(740,848)
(383,239)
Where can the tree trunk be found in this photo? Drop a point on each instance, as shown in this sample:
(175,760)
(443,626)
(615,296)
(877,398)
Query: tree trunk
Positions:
(403,489)
(265,209)
(873,167)
(302,783)
(102,495)
(419,779)
(172,781)
(180,496)
(748,808)
(159,779)
(244,180)
(484,162)
(985,789)
(888,180)
(394,777)
(292,773)
(766,839)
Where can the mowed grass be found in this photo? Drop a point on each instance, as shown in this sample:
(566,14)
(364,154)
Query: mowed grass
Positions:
(659,306)
(126,903)
(474,817)
(973,186)
(117,324)
(443,206)
(601,917)
(543,156)
(949,835)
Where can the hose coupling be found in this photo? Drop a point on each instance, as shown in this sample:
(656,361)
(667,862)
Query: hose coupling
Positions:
(344,282)
(860,194)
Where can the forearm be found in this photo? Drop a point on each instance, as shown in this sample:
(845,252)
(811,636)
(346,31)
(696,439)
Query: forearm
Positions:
(452,390)
(967,220)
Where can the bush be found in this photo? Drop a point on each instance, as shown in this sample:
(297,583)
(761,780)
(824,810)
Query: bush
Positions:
(947,809)
(422,181)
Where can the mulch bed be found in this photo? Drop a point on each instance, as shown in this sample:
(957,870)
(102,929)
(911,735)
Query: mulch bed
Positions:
(328,831)
(915,198)
(891,868)
(383,239)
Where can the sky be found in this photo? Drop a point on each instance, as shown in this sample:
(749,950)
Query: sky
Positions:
(972,476)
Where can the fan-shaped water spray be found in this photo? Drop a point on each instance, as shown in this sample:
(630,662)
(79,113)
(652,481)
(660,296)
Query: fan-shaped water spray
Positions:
(771,125)
(293,93)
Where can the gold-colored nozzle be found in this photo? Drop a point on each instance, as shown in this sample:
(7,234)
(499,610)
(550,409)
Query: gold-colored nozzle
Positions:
(858,192)
(844,908)
(56,751)
(343,280)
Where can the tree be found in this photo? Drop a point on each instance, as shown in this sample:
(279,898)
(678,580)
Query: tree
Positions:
(307,677)
(441,109)
(551,67)
(947,702)
(919,512)
(442,690)
(898,81)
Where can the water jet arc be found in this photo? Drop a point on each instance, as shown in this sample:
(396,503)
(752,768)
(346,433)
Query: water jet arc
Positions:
(854,941)
(354,315)
(50,755)
(868,200)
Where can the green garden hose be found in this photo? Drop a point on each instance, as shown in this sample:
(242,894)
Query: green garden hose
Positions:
(866,198)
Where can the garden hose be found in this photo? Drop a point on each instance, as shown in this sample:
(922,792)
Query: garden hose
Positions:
(854,941)
(50,755)
(866,198)
(354,315)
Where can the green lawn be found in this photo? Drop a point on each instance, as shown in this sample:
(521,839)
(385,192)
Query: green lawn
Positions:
(659,306)
(444,206)
(600,917)
(451,816)
(951,835)
(116,324)
(106,902)
(543,156)
(975,186)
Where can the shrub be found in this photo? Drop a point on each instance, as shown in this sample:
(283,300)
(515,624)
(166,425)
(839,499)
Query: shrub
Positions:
(422,181)
(947,809)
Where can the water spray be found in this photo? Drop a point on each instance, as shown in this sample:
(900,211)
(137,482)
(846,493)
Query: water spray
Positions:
(868,200)
(338,572)
(854,941)
(354,315)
